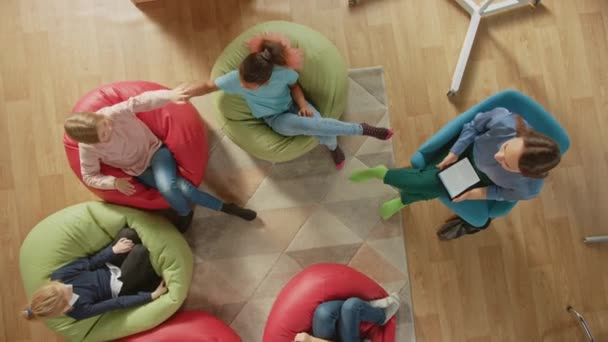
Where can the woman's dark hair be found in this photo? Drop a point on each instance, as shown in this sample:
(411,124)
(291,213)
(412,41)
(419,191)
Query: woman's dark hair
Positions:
(257,67)
(541,153)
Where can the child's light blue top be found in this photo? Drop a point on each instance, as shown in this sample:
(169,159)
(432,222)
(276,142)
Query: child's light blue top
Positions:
(269,99)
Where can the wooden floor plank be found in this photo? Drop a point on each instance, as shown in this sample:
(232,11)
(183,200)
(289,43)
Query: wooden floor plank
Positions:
(510,283)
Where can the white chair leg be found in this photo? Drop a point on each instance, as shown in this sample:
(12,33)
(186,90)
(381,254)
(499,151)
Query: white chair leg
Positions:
(582,322)
(488,7)
(507,5)
(464,54)
(596,239)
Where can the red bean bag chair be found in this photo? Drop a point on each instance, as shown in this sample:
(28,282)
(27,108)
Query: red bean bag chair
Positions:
(294,308)
(188,326)
(179,127)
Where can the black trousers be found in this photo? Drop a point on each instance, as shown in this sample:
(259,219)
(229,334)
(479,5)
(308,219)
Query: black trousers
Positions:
(137,273)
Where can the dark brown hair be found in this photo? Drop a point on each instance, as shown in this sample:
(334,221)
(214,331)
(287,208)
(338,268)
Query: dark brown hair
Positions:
(541,153)
(257,67)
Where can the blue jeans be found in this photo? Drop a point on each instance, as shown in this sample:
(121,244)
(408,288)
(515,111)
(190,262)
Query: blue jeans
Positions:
(341,319)
(162,175)
(323,129)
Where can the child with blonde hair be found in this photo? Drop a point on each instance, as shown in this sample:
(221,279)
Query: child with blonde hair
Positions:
(117,277)
(116,137)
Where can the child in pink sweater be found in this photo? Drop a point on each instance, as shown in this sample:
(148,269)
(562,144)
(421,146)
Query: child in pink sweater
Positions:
(116,137)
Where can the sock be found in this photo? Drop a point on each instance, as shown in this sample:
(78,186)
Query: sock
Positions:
(379,303)
(391,207)
(377,132)
(376,172)
(392,308)
(233,209)
(338,156)
(383,303)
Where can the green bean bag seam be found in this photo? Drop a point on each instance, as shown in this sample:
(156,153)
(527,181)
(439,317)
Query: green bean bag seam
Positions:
(84,229)
(321,59)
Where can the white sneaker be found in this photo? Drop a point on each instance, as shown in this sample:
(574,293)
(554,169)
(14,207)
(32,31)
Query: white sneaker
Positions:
(383,303)
(393,306)
(379,303)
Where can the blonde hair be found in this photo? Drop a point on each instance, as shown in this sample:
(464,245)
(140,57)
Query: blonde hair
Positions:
(47,302)
(82,127)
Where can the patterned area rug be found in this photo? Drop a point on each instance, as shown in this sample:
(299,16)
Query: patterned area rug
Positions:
(307,213)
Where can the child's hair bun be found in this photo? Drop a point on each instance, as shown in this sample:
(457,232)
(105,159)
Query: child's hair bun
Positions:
(293,56)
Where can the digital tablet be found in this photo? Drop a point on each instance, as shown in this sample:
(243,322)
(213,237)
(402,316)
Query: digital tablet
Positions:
(459,178)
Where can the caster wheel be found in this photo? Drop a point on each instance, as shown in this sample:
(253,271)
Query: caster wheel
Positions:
(451,93)
(535,3)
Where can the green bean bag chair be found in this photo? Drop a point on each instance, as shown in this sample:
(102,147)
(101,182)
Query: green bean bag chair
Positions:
(84,229)
(323,78)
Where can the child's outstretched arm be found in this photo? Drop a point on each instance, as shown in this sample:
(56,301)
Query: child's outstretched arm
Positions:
(298,96)
(147,101)
(200,88)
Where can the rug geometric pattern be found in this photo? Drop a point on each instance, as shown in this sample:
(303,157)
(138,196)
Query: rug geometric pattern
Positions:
(307,213)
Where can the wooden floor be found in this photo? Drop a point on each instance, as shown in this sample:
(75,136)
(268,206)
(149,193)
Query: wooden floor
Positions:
(511,283)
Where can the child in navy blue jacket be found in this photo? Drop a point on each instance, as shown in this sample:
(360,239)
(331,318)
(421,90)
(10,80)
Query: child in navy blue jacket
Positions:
(117,277)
